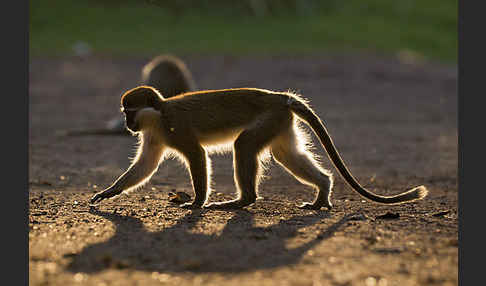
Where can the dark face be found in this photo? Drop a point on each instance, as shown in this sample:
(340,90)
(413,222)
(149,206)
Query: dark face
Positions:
(130,119)
(134,100)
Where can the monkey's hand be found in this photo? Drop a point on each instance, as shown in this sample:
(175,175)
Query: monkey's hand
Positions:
(191,206)
(230,205)
(108,193)
(309,206)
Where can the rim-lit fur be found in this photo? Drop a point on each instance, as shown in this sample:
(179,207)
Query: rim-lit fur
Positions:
(252,123)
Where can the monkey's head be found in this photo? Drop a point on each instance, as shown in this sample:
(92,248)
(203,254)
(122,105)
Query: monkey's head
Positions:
(137,99)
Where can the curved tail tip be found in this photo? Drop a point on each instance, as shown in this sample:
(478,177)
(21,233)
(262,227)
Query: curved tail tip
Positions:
(420,191)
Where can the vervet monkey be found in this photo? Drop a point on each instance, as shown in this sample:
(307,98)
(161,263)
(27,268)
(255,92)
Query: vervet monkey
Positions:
(253,122)
(167,73)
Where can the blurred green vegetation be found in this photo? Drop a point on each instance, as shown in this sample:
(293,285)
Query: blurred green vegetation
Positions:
(425,28)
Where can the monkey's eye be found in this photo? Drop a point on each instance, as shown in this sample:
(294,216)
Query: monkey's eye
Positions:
(128,110)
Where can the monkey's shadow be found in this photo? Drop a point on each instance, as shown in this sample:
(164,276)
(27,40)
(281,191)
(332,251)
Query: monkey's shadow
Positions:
(240,246)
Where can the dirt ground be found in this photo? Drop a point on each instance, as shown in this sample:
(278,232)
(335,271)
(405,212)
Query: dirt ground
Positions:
(394,123)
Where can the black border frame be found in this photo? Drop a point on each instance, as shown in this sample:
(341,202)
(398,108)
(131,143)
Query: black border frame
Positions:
(15,143)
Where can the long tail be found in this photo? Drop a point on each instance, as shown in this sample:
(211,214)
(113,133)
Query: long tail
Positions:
(303,111)
(101,131)
(114,127)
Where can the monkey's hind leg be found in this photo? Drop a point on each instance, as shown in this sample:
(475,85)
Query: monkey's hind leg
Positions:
(290,152)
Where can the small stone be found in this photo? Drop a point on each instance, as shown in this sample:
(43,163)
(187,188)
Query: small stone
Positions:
(179,197)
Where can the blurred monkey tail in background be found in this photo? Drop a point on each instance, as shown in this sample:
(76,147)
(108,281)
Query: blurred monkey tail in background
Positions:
(167,73)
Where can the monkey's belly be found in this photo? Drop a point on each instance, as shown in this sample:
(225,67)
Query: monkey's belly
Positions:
(226,136)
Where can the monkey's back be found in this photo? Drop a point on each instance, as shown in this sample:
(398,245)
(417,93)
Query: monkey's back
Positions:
(226,110)
(238,102)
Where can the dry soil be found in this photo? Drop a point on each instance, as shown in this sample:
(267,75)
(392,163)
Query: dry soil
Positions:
(394,122)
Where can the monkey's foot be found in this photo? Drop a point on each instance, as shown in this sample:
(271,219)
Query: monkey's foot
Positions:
(314,206)
(191,206)
(235,204)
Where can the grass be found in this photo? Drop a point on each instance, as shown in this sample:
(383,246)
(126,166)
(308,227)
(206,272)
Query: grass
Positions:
(428,28)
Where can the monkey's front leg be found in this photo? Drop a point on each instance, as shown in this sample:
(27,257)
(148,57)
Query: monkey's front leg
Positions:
(138,173)
(105,194)
(198,162)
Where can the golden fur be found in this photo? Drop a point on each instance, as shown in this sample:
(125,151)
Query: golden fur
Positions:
(253,123)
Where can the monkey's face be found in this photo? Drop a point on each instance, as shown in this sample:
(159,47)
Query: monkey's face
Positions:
(135,100)
(131,123)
